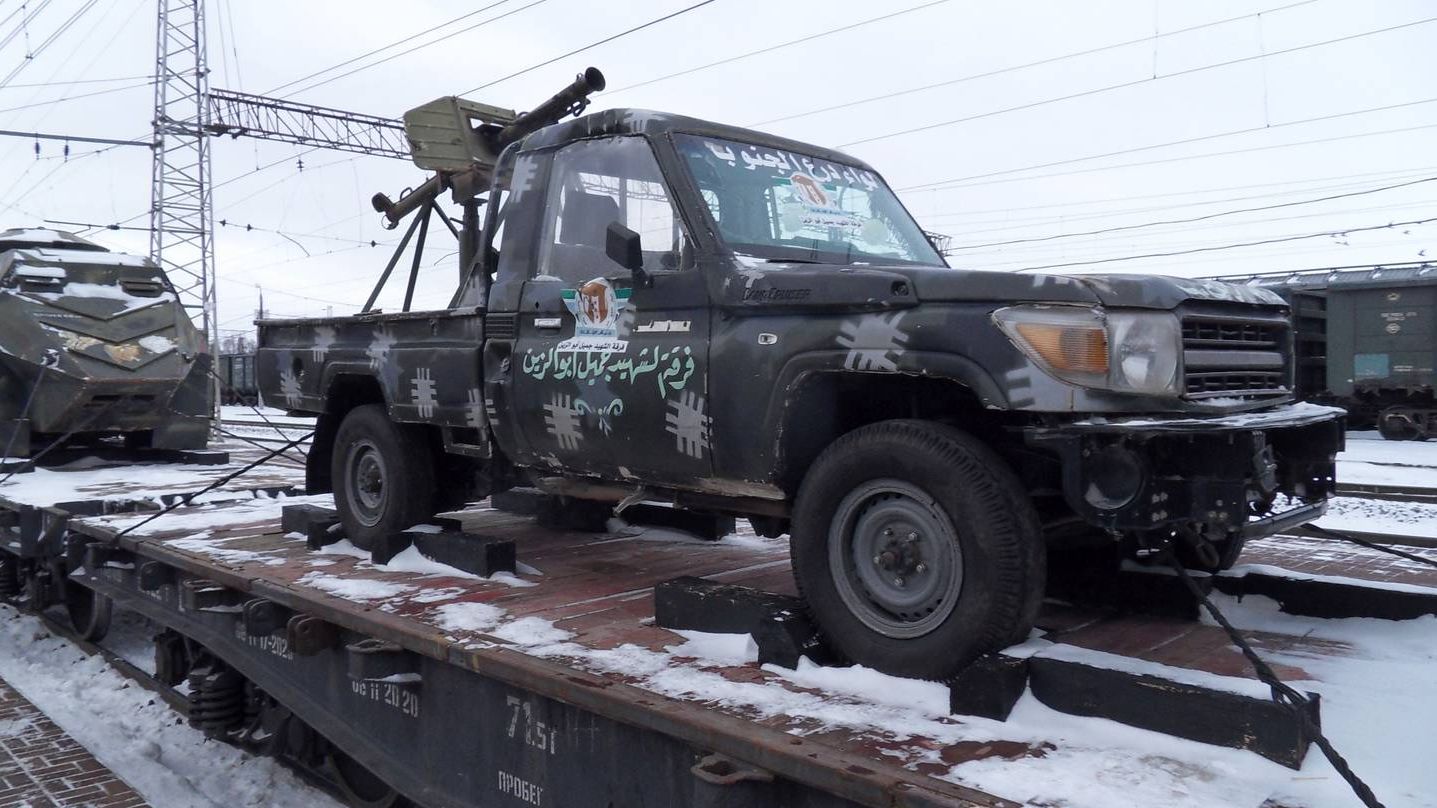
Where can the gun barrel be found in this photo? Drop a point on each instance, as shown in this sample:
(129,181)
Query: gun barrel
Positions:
(394,211)
(570,99)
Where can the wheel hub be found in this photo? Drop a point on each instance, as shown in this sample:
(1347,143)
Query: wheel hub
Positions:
(895,558)
(367,475)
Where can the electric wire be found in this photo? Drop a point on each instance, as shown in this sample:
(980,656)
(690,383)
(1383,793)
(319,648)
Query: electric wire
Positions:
(1276,240)
(590,46)
(56,34)
(420,47)
(968,181)
(1026,65)
(1204,217)
(1133,83)
(394,44)
(782,45)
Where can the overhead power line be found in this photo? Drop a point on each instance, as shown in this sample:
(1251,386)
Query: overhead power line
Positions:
(54,35)
(54,101)
(789,43)
(967,181)
(1132,83)
(1005,221)
(73,82)
(75,138)
(590,46)
(1191,219)
(1026,65)
(391,57)
(1277,240)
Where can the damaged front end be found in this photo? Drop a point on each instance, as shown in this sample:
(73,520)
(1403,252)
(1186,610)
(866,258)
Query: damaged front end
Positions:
(1203,485)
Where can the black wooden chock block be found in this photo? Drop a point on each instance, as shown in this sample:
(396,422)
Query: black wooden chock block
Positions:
(319,525)
(990,687)
(698,604)
(785,637)
(470,552)
(1153,701)
(778,623)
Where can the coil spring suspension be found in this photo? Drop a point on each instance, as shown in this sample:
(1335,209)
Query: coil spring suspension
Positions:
(217,699)
(9,577)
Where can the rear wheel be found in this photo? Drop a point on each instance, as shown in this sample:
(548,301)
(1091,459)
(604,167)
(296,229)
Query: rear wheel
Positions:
(383,475)
(917,549)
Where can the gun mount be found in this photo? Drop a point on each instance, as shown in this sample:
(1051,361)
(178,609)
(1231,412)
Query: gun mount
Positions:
(460,141)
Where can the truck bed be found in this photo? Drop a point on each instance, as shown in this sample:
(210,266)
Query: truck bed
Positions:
(427,362)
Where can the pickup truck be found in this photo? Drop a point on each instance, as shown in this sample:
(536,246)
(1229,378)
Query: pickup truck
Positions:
(669,309)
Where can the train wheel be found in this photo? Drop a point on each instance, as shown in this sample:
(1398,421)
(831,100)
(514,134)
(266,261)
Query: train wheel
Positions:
(89,612)
(1397,425)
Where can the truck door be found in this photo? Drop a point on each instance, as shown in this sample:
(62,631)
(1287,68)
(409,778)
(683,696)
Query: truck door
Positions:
(610,377)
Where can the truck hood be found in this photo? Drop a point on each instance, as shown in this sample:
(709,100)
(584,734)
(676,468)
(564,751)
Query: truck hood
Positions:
(1118,291)
(824,285)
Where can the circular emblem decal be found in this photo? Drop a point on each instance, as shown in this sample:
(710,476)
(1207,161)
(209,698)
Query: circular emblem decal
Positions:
(1393,328)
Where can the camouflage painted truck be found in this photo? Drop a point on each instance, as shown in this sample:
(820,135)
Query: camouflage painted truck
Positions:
(662,308)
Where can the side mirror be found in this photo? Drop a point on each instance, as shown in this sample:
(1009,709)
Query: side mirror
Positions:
(624,248)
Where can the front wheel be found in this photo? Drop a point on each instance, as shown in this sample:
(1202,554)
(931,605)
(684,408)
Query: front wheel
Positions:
(383,475)
(917,549)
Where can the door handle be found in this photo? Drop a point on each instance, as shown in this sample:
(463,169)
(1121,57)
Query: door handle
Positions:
(548,322)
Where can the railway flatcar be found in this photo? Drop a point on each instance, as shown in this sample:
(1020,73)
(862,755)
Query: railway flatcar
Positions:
(237,379)
(1366,339)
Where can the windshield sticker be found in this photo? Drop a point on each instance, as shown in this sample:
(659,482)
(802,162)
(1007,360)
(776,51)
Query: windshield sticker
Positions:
(778,161)
(597,308)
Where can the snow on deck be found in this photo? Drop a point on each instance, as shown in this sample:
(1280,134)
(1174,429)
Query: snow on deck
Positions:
(585,600)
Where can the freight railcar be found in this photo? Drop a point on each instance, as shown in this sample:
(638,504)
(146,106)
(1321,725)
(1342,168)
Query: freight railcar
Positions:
(1366,338)
(237,382)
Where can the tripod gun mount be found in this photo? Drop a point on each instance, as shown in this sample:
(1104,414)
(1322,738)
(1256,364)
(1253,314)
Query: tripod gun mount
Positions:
(460,142)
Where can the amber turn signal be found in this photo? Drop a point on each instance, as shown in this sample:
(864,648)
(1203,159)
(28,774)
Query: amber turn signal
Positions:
(1076,349)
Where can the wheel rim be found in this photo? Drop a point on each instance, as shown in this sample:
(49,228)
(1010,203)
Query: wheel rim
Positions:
(368,481)
(895,558)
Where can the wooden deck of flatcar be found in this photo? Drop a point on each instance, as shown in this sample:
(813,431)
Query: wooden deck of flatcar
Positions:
(580,611)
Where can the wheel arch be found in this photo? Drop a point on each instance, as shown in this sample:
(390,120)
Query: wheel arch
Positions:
(344,389)
(819,400)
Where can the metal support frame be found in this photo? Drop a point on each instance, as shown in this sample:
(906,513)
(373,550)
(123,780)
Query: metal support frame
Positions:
(243,115)
(420,223)
(181,214)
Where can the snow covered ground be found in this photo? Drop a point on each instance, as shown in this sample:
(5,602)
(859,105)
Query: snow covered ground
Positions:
(1371,460)
(133,732)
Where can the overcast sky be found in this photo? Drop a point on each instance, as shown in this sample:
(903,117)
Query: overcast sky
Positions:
(995,156)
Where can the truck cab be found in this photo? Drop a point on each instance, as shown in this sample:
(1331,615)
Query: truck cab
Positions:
(666,308)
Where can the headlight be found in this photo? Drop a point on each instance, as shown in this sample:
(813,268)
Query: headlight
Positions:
(1127,351)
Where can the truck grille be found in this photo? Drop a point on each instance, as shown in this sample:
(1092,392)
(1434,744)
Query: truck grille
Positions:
(1235,356)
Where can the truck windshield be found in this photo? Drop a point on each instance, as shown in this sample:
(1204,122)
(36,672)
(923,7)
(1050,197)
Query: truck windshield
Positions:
(779,205)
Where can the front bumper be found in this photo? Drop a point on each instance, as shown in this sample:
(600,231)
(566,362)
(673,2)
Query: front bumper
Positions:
(1215,476)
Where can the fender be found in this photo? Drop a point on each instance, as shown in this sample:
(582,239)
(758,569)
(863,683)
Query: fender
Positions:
(928,364)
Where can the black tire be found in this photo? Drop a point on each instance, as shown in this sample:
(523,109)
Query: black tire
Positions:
(967,534)
(383,475)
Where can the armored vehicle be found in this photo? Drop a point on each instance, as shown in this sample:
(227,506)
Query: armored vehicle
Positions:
(663,308)
(95,344)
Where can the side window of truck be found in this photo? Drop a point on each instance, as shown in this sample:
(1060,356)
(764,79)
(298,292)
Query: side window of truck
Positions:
(593,184)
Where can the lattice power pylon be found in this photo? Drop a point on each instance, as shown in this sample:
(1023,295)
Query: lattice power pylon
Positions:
(181,216)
